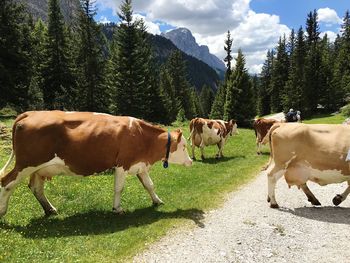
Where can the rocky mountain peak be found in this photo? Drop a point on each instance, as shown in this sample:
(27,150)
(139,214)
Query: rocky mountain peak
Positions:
(185,41)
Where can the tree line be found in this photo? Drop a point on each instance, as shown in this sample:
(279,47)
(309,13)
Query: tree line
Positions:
(306,72)
(73,67)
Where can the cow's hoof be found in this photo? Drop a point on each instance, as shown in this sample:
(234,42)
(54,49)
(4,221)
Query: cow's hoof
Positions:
(258,153)
(315,202)
(118,211)
(157,204)
(337,200)
(2,214)
(194,158)
(51,212)
(274,206)
(268,199)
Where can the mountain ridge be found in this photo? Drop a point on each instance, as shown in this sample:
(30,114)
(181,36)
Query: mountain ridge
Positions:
(185,41)
(39,8)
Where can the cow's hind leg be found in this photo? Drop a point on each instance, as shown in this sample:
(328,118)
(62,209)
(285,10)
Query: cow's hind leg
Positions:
(193,146)
(310,196)
(274,173)
(258,144)
(36,185)
(221,147)
(341,197)
(9,183)
(119,181)
(149,186)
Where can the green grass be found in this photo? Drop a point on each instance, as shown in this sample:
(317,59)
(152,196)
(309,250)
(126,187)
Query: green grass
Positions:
(326,118)
(86,230)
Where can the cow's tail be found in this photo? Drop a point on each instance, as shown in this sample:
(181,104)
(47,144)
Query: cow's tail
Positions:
(268,138)
(192,129)
(2,171)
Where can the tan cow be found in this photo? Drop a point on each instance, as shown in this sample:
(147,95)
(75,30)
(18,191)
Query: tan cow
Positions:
(309,152)
(48,143)
(261,127)
(206,132)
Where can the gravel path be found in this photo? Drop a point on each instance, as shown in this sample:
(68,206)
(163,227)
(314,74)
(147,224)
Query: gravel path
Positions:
(245,229)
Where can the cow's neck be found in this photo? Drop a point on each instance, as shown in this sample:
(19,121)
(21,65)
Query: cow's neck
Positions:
(158,139)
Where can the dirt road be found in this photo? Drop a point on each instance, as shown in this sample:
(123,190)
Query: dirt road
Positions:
(245,229)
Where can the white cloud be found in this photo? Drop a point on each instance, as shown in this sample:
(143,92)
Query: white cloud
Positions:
(103,20)
(330,34)
(254,35)
(209,21)
(328,16)
(152,28)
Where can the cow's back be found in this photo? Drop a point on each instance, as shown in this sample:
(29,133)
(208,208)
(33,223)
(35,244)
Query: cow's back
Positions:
(86,142)
(318,145)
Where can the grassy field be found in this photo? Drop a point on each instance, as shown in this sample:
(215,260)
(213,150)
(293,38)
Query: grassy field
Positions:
(87,231)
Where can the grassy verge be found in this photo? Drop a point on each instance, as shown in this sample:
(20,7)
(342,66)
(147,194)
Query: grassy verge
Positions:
(326,118)
(86,229)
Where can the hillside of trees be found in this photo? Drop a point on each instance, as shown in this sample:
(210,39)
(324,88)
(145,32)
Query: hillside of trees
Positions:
(198,72)
(54,65)
(306,72)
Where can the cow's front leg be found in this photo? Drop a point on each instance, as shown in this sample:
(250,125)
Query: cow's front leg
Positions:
(119,181)
(36,184)
(340,198)
(310,196)
(8,184)
(273,174)
(149,186)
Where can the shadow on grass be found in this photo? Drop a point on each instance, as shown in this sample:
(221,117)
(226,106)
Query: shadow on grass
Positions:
(329,214)
(264,153)
(98,222)
(220,160)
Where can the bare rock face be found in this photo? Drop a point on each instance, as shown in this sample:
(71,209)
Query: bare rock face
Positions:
(39,8)
(184,40)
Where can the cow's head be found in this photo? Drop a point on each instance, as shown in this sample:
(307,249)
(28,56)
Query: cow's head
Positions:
(178,150)
(231,127)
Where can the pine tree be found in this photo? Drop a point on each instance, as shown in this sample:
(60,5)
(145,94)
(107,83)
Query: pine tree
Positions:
(133,69)
(153,106)
(341,79)
(312,65)
(92,86)
(263,100)
(217,109)
(15,62)
(176,69)
(228,58)
(168,97)
(57,68)
(38,36)
(206,100)
(295,86)
(279,76)
(239,104)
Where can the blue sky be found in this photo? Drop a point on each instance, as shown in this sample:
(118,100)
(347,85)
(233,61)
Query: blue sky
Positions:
(293,13)
(255,25)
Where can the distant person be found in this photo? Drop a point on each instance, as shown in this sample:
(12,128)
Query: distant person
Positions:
(293,116)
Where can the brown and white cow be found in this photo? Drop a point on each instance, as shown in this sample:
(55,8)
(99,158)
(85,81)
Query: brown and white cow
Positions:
(206,132)
(309,152)
(261,127)
(48,143)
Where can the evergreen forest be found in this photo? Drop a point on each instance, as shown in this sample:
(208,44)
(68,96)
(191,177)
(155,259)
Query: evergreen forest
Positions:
(52,65)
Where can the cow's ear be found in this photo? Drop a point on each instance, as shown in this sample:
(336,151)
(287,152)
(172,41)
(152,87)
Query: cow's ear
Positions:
(179,135)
